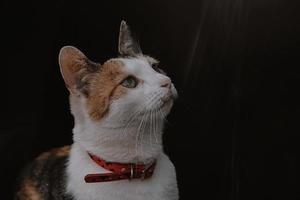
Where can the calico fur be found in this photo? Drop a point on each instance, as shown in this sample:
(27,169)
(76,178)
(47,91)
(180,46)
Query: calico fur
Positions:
(112,121)
(45,177)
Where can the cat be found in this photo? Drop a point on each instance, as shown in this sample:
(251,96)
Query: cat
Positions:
(119,108)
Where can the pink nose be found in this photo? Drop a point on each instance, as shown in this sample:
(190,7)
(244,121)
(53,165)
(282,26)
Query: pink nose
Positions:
(166,83)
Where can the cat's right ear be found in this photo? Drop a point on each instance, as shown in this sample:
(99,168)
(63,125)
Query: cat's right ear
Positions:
(75,68)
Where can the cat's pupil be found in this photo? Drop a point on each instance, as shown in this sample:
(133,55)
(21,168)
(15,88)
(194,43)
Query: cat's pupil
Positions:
(129,82)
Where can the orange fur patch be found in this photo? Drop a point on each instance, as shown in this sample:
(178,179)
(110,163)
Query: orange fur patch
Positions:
(105,87)
(57,152)
(118,92)
(29,191)
(62,151)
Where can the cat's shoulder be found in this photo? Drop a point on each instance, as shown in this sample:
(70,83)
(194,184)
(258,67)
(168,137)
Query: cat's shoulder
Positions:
(45,177)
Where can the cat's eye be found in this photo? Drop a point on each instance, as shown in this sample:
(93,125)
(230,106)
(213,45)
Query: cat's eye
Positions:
(129,82)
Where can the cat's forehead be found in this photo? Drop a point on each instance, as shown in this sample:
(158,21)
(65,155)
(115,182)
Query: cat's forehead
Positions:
(137,65)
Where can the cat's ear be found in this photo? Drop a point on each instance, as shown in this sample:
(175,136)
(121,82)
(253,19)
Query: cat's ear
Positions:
(76,69)
(128,46)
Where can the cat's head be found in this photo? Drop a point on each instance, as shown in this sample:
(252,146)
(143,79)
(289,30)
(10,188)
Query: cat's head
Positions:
(130,84)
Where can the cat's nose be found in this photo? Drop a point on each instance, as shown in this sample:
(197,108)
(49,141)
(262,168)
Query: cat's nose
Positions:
(166,83)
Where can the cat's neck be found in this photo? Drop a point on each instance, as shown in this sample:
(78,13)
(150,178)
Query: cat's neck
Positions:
(138,141)
(117,145)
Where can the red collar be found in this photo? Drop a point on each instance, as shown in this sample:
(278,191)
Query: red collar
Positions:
(119,171)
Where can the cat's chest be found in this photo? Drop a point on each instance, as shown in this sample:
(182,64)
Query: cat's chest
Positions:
(161,186)
(135,190)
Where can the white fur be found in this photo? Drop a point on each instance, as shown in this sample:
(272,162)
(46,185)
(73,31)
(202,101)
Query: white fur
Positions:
(130,132)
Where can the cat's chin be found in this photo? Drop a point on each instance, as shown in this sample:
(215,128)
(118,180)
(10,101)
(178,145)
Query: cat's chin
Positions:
(165,107)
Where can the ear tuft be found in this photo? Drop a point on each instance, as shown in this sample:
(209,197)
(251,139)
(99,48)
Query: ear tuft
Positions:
(128,46)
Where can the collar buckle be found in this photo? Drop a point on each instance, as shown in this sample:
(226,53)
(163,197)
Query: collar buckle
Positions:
(145,170)
(131,172)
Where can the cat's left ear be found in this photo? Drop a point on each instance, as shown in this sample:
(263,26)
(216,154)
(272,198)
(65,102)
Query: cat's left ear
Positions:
(128,46)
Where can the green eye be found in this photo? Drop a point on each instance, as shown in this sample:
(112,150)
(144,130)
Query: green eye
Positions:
(129,82)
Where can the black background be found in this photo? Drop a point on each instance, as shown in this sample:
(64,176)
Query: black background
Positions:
(233,132)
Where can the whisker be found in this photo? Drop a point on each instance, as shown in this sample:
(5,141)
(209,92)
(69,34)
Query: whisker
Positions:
(144,126)
(137,135)
(132,118)
(135,114)
(151,128)
(156,127)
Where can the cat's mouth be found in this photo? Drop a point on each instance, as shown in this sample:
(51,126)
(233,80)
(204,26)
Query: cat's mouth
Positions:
(167,100)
